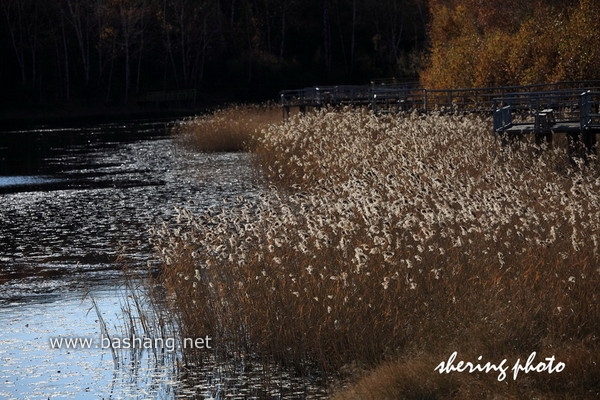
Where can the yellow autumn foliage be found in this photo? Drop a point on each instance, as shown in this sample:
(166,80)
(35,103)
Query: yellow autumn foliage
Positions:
(492,43)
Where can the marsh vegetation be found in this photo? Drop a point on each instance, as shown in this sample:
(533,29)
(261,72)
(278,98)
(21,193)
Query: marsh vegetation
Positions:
(229,129)
(382,244)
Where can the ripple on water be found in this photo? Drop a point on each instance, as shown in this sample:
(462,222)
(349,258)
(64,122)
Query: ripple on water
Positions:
(98,209)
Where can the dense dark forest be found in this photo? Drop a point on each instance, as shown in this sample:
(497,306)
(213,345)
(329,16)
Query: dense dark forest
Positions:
(113,52)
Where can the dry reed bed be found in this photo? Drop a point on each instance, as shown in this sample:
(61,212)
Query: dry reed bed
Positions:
(399,238)
(232,128)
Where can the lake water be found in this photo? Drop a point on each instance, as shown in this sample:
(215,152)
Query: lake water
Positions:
(76,205)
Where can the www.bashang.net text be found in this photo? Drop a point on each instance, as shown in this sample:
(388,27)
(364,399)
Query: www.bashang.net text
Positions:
(133,342)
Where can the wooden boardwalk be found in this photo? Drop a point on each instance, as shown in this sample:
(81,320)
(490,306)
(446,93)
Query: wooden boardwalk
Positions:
(574,113)
(571,108)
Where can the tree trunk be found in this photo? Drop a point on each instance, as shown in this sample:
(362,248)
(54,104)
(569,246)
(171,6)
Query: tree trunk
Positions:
(66,54)
(353,36)
(327,35)
(14,24)
(282,44)
(82,34)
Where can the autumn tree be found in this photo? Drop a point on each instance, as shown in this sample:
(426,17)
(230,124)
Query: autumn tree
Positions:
(503,42)
(578,54)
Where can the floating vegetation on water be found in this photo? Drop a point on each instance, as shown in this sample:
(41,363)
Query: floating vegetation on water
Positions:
(397,238)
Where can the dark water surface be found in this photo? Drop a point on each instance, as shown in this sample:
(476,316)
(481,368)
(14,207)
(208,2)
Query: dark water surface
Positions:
(73,201)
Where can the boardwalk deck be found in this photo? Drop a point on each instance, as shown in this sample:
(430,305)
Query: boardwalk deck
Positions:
(545,114)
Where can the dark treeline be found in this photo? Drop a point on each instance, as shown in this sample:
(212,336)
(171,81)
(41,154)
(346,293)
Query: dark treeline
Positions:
(113,51)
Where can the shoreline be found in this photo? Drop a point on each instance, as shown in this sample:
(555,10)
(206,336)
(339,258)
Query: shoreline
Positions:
(27,119)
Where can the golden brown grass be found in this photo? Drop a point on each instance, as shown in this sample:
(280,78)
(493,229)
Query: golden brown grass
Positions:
(410,379)
(232,128)
(388,243)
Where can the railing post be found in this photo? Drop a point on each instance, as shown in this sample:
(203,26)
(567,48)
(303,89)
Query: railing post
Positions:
(585,107)
(374,102)
(588,136)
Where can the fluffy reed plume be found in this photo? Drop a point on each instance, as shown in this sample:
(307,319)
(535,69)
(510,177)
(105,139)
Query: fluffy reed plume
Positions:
(407,238)
(230,129)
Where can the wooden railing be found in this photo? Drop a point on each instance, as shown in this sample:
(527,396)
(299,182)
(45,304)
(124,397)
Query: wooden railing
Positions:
(397,97)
